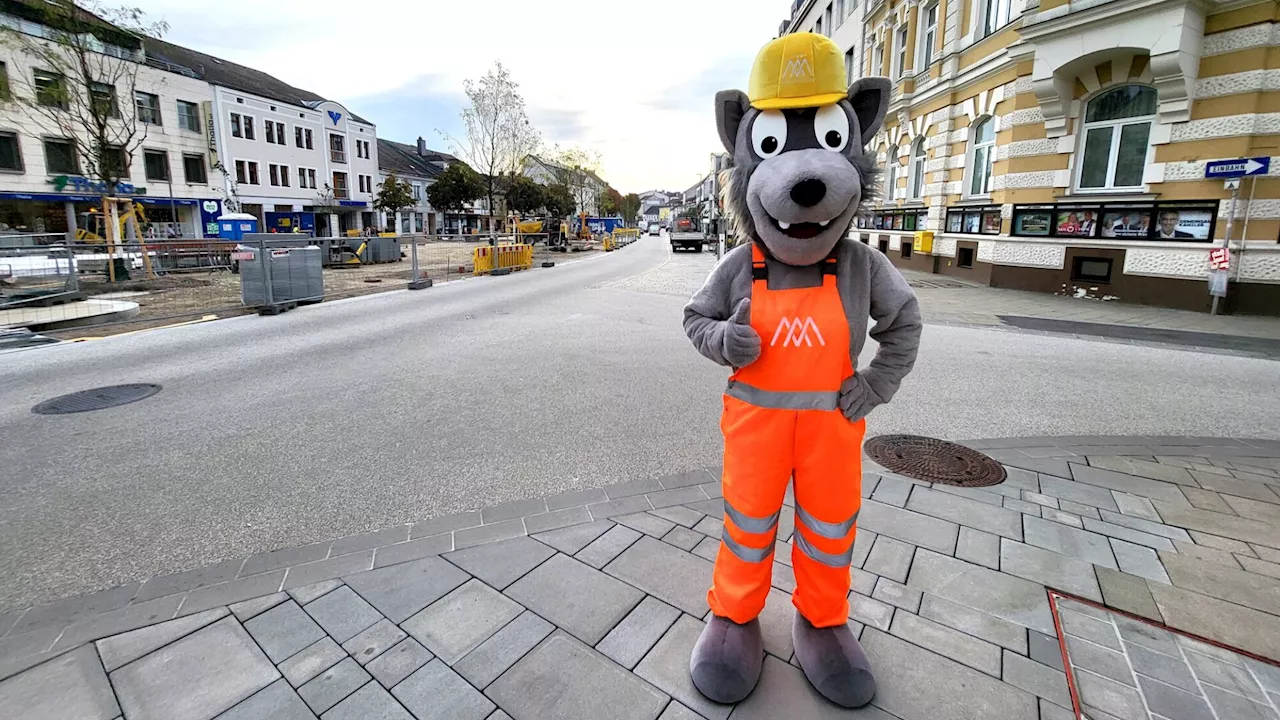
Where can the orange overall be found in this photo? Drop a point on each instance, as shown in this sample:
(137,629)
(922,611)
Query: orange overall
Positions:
(782,420)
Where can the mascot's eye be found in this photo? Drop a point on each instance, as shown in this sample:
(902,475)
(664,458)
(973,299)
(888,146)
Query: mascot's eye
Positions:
(769,133)
(831,126)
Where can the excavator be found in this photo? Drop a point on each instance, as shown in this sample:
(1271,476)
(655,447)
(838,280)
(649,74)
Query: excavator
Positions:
(92,227)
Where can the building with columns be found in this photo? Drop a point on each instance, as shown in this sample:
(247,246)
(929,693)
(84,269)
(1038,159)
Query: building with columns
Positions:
(1061,146)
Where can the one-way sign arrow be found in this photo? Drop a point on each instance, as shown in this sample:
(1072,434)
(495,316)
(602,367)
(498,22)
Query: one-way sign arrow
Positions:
(1237,168)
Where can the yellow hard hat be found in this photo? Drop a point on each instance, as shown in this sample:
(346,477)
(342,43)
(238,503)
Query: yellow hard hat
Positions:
(799,70)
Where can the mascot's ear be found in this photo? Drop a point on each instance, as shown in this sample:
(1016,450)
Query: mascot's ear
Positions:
(870,100)
(731,105)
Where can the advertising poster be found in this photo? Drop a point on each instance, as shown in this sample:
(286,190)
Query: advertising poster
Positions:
(1183,224)
(1076,223)
(972,223)
(955,221)
(991,223)
(1126,223)
(1033,223)
(209,212)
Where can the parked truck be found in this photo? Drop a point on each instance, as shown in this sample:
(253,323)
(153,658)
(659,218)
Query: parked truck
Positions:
(685,234)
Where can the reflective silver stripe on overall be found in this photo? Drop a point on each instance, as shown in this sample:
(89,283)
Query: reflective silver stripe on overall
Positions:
(830,531)
(836,561)
(749,524)
(783,400)
(747,554)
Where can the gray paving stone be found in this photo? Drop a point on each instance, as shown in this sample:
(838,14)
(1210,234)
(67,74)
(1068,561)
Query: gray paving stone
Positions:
(198,676)
(911,527)
(941,639)
(1220,543)
(667,667)
(399,662)
(1039,680)
(975,623)
(897,595)
(1132,484)
(783,578)
(1238,586)
(562,678)
(572,539)
(1261,567)
(870,611)
(979,547)
(1045,649)
(333,685)
(314,591)
(287,557)
(1155,542)
(249,608)
(574,498)
(1139,560)
(482,534)
(676,711)
(1193,645)
(370,702)
(121,649)
(892,491)
(207,598)
(1144,635)
(993,495)
(283,630)
(1263,552)
(1099,660)
(374,641)
(1127,593)
(455,624)
(646,523)
(1062,517)
(623,506)
(1147,526)
(1208,554)
(343,614)
(627,643)
(1171,702)
(689,479)
(776,621)
(678,496)
(1049,569)
(127,618)
(1226,676)
(863,540)
(399,592)
(1135,506)
(675,577)
(1022,506)
(957,692)
(863,582)
(679,515)
(1143,468)
(711,527)
(1167,669)
(423,547)
(632,488)
(1044,466)
(683,538)
(783,692)
(997,520)
(1207,500)
(582,600)
(369,540)
(1226,526)
(71,686)
(311,661)
(181,582)
(501,563)
(1078,510)
(19,652)
(1082,626)
(712,490)
(556,519)
(1087,546)
(1040,499)
(300,575)
(1077,494)
(713,507)
(445,524)
(707,549)
(1004,596)
(604,549)
(498,715)
(1238,488)
(277,701)
(493,656)
(1119,701)
(1229,705)
(890,558)
(1049,711)
(512,510)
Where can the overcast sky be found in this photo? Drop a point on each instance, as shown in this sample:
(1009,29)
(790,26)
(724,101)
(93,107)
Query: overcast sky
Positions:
(632,81)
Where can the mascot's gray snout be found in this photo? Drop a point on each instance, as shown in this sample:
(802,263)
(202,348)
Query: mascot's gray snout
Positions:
(802,201)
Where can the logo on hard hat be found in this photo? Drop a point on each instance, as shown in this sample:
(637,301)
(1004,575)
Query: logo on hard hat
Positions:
(798,68)
(797,332)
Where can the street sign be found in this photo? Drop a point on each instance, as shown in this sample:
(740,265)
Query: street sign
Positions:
(1237,168)
(242,255)
(1219,259)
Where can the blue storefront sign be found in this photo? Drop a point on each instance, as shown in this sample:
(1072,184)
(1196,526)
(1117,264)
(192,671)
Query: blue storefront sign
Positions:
(352,203)
(1243,167)
(85,185)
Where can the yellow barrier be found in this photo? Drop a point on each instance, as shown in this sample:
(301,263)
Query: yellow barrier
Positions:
(620,233)
(514,257)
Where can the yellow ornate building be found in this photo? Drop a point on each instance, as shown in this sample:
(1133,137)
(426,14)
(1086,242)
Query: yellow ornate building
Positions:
(1062,146)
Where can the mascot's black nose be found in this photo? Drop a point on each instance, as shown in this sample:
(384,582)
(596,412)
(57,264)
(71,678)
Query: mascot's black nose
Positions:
(808,193)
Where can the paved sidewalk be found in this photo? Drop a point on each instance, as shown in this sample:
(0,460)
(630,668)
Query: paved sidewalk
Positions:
(586,605)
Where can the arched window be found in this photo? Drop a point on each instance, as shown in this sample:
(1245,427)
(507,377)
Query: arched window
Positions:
(982,150)
(1115,138)
(891,174)
(917,168)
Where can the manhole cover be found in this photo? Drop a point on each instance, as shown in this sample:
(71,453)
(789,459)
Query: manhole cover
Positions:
(935,461)
(96,399)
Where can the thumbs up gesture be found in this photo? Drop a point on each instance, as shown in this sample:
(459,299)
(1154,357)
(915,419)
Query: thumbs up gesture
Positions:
(741,341)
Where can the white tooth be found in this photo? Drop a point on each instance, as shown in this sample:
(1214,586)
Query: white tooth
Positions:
(825,223)
(784,225)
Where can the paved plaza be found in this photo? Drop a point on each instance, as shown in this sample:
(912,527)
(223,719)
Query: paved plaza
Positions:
(586,605)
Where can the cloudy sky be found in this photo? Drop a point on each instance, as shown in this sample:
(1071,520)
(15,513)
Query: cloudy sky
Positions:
(635,86)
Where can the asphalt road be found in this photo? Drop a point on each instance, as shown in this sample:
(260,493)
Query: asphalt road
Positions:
(360,414)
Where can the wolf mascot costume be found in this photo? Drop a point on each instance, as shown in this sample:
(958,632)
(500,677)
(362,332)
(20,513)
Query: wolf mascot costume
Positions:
(788,311)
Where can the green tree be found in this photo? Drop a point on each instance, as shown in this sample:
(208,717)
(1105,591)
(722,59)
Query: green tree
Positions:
(393,196)
(629,207)
(558,200)
(524,195)
(455,187)
(609,203)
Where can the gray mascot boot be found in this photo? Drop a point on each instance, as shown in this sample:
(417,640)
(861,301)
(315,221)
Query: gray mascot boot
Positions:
(726,660)
(834,662)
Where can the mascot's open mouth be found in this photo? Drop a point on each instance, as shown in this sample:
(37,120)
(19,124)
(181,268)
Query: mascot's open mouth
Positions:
(801,230)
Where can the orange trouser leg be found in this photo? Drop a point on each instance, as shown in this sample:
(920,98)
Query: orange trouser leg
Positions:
(758,446)
(828,490)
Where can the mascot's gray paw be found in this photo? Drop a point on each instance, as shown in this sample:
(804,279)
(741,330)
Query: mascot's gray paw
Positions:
(834,662)
(741,341)
(727,659)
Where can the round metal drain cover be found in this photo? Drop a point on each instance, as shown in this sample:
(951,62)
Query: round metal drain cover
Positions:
(96,399)
(935,461)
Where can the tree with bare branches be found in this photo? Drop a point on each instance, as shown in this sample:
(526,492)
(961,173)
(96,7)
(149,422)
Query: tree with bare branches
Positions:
(499,134)
(84,82)
(576,169)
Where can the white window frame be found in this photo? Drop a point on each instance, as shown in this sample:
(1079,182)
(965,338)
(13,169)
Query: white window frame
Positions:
(195,117)
(916,176)
(926,39)
(273,174)
(985,28)
(284,176)
(900,35)
(891,175)
(828,21)
(1116,127)
(237,125)
(971,154)
(877,60)
(842,11)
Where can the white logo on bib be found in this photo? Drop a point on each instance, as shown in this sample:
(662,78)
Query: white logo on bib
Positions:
(797,331)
